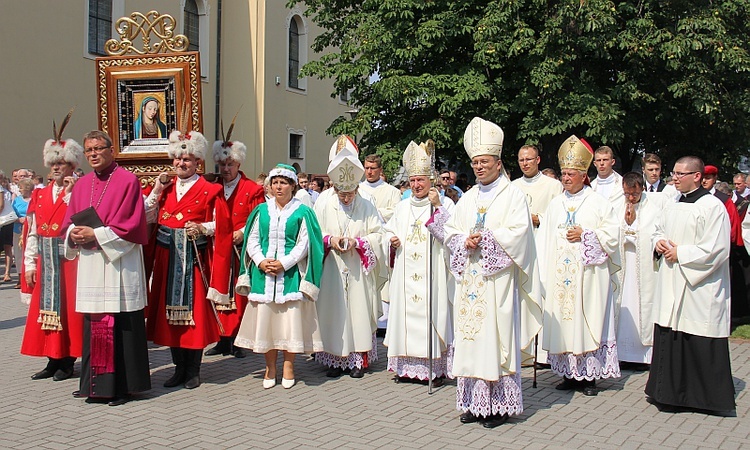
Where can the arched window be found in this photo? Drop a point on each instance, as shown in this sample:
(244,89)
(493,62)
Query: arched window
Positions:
(294,54)
(192,25)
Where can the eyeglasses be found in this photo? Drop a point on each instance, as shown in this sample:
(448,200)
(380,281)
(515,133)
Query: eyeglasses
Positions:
(97,150)
(486,163)
(682,174)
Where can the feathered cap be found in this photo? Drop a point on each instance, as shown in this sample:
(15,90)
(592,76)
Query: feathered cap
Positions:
(420,159)
(57,149)
(342,142)
(483,137)
(575,154)
(225,148)
(345,171)
(284,170)
(184,142)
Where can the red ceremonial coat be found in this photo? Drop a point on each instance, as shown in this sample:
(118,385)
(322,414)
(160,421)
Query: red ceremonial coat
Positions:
(245,197)
(204,202)
(48,216)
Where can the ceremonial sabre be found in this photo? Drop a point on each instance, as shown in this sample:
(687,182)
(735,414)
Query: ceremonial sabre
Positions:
(205,283)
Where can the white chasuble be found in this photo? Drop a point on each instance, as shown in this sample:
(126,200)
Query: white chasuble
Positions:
(578,278)
(496,308)
(408,321)
(692,295)
(634,313)
(349,303)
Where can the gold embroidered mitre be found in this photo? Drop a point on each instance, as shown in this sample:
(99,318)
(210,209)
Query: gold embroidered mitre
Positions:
(420,159)
(575,153)
(342,142)
(483,138)
(345,171)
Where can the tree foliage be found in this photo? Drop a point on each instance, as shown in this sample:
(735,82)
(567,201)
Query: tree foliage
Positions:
(669,77)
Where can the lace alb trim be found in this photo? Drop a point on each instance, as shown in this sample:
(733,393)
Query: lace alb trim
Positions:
(601,363)
(459,255)
(352,360)
(484,398)
(418,368)
(592,253)
(494,258)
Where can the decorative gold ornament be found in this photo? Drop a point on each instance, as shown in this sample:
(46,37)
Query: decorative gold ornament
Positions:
(179,216)
(162,26)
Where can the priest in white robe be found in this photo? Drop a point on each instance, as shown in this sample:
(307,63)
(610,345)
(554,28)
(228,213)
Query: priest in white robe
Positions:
(385,197)
(539,190)
(496,308)
(578,252)
(690,368)
(349,301)
(638,215)
(418,259)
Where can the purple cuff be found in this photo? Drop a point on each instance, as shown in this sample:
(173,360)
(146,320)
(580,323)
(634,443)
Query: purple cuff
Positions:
(436,224)
(494,257)
(592,253)
(459,254)
(327,241)
(366,255)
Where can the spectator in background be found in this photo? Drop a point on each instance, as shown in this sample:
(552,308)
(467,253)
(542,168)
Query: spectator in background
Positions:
(6,231)
(39,180)
(550,173)
(20,203)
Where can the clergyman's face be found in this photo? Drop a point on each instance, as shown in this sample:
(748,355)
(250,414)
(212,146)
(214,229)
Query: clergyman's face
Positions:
(604,163)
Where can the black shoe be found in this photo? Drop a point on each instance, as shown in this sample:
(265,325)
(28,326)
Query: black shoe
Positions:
(398,379)
(175,380)
(357,372)
(494,420)
(193,382)
(221,348)
(334,372)
(542,366)
(44,373)
(96,400)
(119,401)
(567,384)
(78,394)
(589,388)
(238,352)
(468,417)
(380,332)
(439,381)
(63,374)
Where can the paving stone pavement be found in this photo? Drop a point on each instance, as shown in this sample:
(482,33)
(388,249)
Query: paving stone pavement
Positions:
(231,409)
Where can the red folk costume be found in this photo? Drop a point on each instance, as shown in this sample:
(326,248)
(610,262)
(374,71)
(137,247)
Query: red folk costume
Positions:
(202,203)
(245,197)
(47,333)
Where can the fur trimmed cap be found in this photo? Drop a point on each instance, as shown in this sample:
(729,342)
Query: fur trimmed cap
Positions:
(237,151)
(68,151)
(190,143)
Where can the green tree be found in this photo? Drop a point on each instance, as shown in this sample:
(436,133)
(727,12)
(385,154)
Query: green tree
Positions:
(668,77)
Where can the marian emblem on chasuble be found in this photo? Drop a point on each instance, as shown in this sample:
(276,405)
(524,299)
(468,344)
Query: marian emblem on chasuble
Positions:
(472,308)
(566,280)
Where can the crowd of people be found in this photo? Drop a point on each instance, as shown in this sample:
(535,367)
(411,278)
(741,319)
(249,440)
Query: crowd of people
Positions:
(581,277)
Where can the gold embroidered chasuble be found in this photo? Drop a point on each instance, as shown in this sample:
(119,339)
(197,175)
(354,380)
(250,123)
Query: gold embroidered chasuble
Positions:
(408,321)
(495,316)
(579,297)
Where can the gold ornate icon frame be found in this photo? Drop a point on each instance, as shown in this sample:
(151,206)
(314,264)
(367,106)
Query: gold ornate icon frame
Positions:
(162,75)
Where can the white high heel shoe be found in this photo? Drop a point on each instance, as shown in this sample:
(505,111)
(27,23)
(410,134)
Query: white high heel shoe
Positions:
(268,384)
(287,384)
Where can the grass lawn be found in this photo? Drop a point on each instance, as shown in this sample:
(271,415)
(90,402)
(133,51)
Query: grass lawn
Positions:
(741,332)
